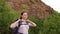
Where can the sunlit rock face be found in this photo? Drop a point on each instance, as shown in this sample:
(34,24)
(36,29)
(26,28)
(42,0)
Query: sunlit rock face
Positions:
(33,7)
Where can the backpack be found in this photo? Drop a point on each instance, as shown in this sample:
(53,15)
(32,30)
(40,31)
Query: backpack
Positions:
(19,23)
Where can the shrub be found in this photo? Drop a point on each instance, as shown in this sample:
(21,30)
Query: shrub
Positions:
(38,28)
(7,15)
(51,25)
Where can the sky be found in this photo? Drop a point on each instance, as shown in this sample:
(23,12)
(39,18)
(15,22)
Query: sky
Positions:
(55,4)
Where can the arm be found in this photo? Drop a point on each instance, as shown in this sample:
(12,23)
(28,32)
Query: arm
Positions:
(32,23)
(13,25)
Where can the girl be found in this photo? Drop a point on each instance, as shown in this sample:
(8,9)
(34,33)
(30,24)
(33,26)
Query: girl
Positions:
(23,29)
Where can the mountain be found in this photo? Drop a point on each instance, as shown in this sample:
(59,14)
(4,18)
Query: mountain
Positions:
(33,7)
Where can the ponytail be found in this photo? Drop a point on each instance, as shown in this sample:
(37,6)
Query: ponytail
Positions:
(20,17)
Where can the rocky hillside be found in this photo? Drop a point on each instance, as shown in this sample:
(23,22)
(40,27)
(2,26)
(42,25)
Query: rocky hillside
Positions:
(34,7)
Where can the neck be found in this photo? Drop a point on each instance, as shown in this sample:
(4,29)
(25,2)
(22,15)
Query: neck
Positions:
(24,19)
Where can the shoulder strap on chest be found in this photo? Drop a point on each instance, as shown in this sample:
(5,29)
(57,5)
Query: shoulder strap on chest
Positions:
(19,23)
(27,22)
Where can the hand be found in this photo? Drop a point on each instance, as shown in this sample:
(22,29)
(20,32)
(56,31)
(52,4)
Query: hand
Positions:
(18,20)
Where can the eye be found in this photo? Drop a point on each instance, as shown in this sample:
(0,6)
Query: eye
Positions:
(25,14)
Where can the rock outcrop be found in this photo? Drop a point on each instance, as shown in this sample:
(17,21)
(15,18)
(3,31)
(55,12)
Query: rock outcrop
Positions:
(34,7)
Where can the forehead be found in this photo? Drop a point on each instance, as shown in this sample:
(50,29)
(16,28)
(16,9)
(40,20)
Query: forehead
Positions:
(25,14)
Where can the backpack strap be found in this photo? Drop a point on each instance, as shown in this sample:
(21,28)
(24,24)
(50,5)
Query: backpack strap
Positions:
(19,23)
(27,22)
(16,28)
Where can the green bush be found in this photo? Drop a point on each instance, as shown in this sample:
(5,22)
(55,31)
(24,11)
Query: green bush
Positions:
(7,15)
(38,28)
(51,25)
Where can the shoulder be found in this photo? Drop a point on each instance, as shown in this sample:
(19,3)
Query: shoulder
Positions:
(18,19)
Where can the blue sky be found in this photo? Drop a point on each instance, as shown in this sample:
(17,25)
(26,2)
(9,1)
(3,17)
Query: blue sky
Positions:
(55,4)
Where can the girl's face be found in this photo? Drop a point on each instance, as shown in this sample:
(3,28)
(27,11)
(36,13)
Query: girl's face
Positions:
(24,16)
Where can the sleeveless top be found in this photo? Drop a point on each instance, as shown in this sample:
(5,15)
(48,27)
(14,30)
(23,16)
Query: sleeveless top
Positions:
(24,28)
